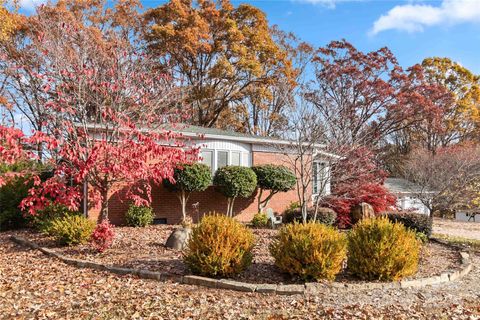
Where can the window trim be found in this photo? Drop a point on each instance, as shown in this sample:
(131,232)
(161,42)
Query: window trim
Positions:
(316,178)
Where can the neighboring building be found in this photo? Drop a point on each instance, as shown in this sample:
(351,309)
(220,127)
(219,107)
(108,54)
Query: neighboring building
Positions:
(221,148)
(408,195)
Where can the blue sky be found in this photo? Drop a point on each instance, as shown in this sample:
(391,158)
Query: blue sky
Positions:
(412,29)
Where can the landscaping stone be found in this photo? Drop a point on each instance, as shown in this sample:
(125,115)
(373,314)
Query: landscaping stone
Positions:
(119,270)
(200,281)
(266,288)
(178,239)
(465,257)
(362,211)
(289,289)
(236,285)
(146,274)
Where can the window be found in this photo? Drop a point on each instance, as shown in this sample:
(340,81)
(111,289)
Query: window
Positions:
(222,159)
(207,158)
(235,160)
(319,176)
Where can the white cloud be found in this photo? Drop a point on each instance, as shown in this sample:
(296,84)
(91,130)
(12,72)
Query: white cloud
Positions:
(30,5)
(415,17)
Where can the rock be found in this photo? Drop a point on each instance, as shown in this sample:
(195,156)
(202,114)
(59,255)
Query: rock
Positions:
(178,238)
(362,211)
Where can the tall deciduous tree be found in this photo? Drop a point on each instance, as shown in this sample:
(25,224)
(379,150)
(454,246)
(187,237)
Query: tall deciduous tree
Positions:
(367,96)
(224,55)
(461,117)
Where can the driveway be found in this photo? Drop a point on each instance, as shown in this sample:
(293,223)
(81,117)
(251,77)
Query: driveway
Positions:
(469,230)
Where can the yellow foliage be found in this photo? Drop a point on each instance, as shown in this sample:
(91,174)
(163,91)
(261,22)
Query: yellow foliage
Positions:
(8,21)
(381,250)
(310,251)
(219,246)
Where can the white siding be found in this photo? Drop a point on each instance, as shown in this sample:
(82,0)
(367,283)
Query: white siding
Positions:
(410,203)
(244,149)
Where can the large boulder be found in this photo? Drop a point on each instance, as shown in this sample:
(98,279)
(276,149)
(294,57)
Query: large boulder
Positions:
(362,211)
(178,238)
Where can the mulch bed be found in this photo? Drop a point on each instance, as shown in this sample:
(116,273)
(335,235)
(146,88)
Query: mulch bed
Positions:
(143,248)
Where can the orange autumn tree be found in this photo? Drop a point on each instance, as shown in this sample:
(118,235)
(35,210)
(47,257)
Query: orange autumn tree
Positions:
(461,117)
(224,55)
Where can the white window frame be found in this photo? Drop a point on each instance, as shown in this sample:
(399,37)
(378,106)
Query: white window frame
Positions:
(229,157)
(317,184)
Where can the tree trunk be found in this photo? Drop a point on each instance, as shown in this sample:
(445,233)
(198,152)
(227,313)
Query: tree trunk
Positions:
(183,201)
(104,210)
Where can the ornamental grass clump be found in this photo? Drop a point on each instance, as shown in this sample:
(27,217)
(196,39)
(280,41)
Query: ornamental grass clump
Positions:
(309,251)
(381,250)
(219,246)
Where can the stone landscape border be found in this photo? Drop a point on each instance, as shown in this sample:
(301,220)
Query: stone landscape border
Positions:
(284,289)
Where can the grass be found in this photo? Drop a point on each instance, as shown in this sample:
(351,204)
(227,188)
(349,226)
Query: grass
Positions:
(472,243)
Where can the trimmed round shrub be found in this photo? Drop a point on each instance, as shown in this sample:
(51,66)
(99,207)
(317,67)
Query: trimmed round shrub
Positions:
(233,182)
(309,251)
(260,220)
(418,222)
(381,250)
(71,230)
(219,246)
(189,178)
(274,177)
(139,216)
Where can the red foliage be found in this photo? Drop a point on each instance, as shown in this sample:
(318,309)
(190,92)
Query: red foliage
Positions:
(102,236)
(107,115)
(358,179)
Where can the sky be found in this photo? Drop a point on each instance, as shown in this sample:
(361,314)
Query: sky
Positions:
(412,29)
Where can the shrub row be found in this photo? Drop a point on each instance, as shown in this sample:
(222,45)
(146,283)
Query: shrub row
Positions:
(421,223)
(376,248)
(324,215)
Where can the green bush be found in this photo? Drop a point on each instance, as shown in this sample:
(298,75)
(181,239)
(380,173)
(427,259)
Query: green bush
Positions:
(381,250)
(15,190)
(260,220)
(309,251)
(71,230)
(43,219)
(274,178)
(219,246)
(324,215)
(415,221)
(233,182)
(139,216)
(11,194)
(189,178)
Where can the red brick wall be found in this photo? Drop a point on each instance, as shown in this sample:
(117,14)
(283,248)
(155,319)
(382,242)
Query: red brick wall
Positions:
(166,205)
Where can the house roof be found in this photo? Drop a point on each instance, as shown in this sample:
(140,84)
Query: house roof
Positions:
(400,185)
(197,132)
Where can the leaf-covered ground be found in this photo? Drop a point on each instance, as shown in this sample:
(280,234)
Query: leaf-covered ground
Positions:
(34,286)
(143,248)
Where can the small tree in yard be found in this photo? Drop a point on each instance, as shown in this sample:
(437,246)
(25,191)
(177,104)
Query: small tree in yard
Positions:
(448,179)
(233,182)
(189,178)
(106,107)
(274,178)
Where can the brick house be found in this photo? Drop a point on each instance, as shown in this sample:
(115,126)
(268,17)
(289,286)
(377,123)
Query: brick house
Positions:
(219,148)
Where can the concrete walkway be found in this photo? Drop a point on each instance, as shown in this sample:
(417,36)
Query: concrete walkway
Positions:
(470,230)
